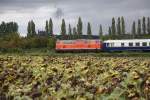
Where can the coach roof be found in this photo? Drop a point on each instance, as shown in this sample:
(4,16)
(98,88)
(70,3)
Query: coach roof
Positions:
(128,40)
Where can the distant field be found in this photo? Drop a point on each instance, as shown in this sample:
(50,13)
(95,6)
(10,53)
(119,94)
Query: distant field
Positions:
(88,77)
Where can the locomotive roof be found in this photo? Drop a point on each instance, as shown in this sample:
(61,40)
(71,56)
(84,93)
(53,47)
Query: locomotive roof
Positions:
(129,40)
(81,39)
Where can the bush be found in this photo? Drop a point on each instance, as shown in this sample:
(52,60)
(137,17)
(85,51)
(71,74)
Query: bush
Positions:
(51,43)
(13,42)
(38,42)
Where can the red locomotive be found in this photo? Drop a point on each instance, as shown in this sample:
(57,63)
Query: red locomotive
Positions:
(78,45)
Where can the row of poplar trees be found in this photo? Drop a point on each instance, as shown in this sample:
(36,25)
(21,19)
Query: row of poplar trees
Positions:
(139,29)
(142,27)
(116,30)
(76,32)
(31,31)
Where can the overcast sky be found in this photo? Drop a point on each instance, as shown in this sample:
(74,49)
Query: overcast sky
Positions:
(95,11)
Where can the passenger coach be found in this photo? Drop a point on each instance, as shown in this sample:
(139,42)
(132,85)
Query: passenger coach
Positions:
(127,45)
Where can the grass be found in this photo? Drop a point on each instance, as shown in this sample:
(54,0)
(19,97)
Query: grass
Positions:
(51,52)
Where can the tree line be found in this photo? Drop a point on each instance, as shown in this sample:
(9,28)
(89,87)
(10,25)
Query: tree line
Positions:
(117,30)
(139,29)
(10,38)
(7,28)
(142,27)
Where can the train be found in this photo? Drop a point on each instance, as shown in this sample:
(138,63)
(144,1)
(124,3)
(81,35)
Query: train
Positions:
(97,45)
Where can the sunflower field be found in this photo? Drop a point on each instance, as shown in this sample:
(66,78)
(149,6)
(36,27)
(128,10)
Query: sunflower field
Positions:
(74,78)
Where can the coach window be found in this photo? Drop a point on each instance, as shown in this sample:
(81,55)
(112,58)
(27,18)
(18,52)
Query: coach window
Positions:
(112,44)
(137,44)
(107,44)
(122,44)
(144,44)
(130,44)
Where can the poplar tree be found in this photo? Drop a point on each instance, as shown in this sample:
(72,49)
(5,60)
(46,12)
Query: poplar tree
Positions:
(89,32)
(69,30)
(8,27)
(79,26)
(113,30)
(144,26)
(100,31)
(3,27)
(109,31)
(122,25)
(118,27)
(74,31)
(50,27)
(46,27)
(15,27)
(134,28)
(148,25)
(63,28)
(75,34)
(31,29)
(139,27)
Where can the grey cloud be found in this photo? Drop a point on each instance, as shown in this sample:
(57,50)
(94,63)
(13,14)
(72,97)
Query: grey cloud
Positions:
(95,11)
(81,6)
(22,5)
